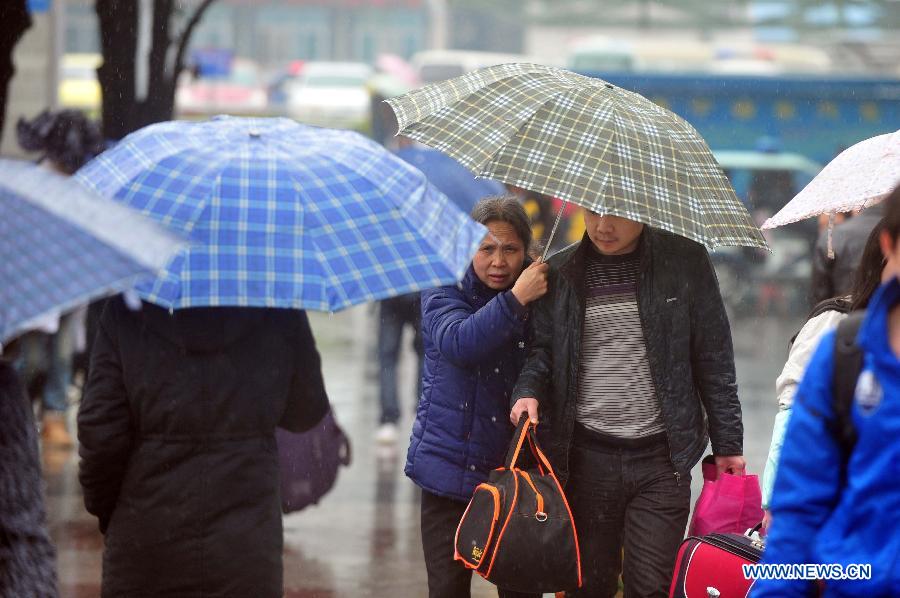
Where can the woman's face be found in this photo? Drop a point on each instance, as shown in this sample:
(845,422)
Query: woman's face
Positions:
(501,256)
(891,252)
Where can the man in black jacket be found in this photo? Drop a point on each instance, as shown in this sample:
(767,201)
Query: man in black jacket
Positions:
(633,369)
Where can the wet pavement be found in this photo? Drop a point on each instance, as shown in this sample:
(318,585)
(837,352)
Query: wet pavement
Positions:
(363,538)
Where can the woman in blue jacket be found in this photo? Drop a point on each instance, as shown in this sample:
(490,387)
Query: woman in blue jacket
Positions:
(832,508)
(476,338)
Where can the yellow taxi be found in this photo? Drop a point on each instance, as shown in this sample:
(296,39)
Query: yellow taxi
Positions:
(78,85)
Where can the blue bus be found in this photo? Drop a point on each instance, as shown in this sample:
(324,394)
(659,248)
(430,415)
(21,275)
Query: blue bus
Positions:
(811,115)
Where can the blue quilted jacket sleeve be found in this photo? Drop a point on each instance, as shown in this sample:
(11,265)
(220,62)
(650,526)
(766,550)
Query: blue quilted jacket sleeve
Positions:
(466,336)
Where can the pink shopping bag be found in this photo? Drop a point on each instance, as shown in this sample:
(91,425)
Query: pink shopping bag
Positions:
(729,504)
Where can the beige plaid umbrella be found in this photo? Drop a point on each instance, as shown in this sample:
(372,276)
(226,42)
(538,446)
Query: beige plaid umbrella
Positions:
(583,140)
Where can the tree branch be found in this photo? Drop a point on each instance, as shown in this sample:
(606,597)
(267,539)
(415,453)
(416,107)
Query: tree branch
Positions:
(118,21)
(160,42)
(186,37)
(14,21)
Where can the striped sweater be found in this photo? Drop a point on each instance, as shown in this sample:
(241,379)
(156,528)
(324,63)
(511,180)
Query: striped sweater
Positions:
(616,396)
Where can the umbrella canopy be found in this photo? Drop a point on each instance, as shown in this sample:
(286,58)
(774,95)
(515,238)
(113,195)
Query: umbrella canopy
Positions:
(285,215)
(450,177)
(862,175)
(583,140)
(62,246)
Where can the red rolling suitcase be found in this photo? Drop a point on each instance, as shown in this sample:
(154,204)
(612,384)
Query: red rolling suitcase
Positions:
(710,566)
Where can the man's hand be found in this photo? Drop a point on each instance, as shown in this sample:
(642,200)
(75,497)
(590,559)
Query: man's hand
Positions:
(767,520)
(524,405)
(733,465)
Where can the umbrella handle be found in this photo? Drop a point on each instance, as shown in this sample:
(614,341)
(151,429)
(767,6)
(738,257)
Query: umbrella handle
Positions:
(831,217)
(555,226)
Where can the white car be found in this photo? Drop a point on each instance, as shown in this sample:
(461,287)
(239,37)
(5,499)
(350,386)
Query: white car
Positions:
(331,94)
(240,93)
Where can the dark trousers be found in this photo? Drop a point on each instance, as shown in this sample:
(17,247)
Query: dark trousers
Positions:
(447,578)
(626,498)
(395,314)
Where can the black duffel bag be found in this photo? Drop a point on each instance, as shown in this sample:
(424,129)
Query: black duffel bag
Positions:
(517,531)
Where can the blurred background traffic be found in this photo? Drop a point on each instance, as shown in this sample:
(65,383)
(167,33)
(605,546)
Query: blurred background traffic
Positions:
(777,87)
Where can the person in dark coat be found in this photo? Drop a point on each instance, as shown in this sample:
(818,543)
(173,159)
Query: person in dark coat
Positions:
(66,140)
(632,369)
(177,443)
(27,557)
(833,277)
(395,314)
(476,337)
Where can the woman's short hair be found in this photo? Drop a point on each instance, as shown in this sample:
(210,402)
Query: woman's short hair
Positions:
(505,208)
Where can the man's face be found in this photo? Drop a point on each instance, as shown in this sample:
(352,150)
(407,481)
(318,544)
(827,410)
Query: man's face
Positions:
(612,235)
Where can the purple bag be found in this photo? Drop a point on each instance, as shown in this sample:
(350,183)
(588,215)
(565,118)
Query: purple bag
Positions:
(309,462)
(729,504)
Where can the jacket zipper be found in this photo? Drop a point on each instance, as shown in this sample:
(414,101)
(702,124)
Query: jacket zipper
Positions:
(642,268)
(575,364)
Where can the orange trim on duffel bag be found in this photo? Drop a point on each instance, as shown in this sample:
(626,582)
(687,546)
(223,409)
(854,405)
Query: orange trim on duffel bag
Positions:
(540,499)
(574,531)
(535,451)
(456,555)
(543,457)
(512,463)
(512,509)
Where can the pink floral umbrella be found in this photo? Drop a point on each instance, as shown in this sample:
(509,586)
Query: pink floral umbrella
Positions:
(859,177)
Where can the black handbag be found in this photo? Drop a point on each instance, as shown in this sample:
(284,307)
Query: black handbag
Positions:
(517,531)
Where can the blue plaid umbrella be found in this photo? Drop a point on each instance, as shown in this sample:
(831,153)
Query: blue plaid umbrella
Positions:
(62,246)
(285,215)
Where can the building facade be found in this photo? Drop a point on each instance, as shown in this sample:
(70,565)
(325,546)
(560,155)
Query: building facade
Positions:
(275,32)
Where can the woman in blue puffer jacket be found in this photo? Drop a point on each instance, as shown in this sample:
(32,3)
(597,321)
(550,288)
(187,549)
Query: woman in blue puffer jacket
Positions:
(476,338)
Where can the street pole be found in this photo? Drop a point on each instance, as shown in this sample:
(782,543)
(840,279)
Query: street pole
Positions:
(57,35)
(439,24)
(146,9)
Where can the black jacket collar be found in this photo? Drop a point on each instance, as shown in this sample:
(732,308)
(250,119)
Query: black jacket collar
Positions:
(573,267)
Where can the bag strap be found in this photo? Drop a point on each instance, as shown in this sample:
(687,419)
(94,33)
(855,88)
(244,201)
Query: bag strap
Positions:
(518,439)
(848,363)
(525,431)
(839,304)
